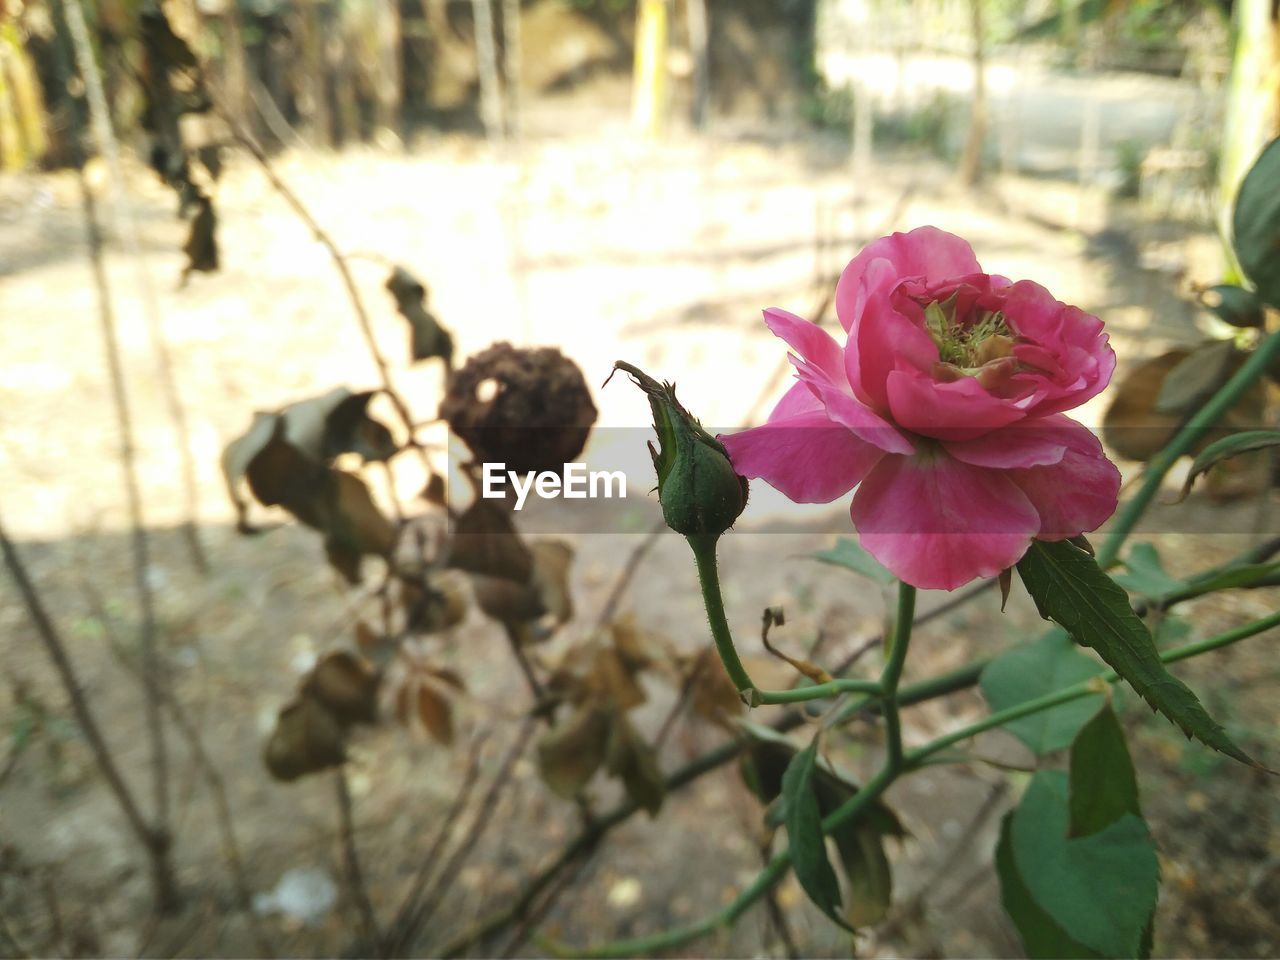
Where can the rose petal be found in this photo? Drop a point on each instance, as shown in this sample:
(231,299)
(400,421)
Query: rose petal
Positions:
(1077,494)
(882,337)
(937,523)
(848,411)
(1026,443)
(798,399)
(807,457)
(925,252)
(959,410)
(809,341)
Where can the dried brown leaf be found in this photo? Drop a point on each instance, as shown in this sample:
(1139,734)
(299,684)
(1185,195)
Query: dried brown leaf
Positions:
(347,686)
(773,616)
(427,336)
(486,542)
(611,681)
(307,738)
(635,763)
(435,714)
(569,754)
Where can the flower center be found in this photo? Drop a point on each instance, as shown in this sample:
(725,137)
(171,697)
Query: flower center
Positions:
(968,343)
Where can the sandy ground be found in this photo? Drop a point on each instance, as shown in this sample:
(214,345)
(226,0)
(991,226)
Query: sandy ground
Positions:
(610,249)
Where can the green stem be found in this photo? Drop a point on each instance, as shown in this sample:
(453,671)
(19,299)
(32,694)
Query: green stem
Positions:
(669,939)
(1083,689)
(1194,429)
(704,554)
(892,675)
(818,691)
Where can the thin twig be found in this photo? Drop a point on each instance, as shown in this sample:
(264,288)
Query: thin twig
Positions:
(412,902)
(153,841)
(536,914)
(628,572)
(152,663)
(213,778)
(126,221)
(250,143)
(432,899)
(351,859)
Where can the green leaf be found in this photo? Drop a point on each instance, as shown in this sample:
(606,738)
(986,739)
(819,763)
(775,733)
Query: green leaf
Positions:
(1100,889)
(1041,937)
(804,833)
(1032,670)
(860,844)
(1070,588)
(1256,224)
(1147,576)
(1225,449)
(1236,305)
(850,555)
(1104,786)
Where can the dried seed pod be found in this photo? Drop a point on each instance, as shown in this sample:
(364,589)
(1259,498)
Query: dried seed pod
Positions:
(528,408)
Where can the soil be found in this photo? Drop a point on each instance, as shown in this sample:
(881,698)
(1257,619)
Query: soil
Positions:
(609,249)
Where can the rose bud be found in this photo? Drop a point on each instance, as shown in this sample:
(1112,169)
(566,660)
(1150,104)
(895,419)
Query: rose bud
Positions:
(700,492)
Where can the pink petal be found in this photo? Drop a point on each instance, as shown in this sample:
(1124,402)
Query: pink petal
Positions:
(925,252)
(848,411)
(799,398)
(807,457)
(960,410)
(1026,443)
(883,338)
(1077,494)
(809,341)
(937,523)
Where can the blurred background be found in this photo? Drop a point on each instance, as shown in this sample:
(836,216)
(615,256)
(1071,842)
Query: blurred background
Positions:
(619,179)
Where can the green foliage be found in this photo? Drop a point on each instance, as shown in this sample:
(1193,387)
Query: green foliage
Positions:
(804,834)
(1147,576)
(1104,786)
(1041,935)
(1078,870)
(859,842)
(1071,589)
(1256,224)
(849,555)
(1031,670)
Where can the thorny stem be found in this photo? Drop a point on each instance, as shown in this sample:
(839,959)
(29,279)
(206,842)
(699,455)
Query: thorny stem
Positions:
(874,787)
(1194,429)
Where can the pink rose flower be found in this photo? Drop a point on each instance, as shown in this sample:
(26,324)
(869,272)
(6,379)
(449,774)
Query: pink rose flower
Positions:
(944,408)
